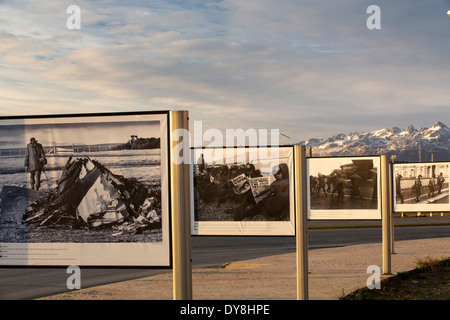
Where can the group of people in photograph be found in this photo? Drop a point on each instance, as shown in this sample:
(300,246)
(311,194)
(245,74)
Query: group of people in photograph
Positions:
(216,184)
(330,184)
(434,185)
(338,182)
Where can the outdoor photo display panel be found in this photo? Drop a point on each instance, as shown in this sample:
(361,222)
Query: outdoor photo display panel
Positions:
(243,191)
(421,187)
(344,188)
(89,190)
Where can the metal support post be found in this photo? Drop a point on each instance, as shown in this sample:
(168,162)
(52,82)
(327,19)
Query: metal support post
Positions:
(391,206)
(385,214)
(301,221)
(180,208)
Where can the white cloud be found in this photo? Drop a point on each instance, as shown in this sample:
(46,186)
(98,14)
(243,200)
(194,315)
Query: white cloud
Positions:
(308,68)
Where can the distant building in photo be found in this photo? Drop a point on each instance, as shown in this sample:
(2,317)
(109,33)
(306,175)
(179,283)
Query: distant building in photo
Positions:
(410,172)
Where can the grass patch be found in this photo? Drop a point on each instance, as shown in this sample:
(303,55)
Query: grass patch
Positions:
(430,280)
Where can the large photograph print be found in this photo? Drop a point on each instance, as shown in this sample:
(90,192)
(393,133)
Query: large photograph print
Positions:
(243,191)
(86,190)
(421,187)
(344,188)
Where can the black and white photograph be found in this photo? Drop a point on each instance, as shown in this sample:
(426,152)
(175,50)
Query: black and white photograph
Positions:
(97,181)
(421,186)
(344,188)
(243,191)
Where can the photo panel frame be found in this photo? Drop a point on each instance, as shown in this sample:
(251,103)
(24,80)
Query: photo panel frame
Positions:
(103,198)
(344,188)
(243,191)
(421,186)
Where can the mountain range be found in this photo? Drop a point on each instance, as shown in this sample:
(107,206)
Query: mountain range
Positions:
(432,144)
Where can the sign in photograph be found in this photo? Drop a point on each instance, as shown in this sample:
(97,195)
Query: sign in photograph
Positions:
(421,186)
(344,188)
(85,190)
(243,191)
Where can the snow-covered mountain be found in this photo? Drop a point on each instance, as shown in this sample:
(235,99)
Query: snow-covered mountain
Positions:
(403,143)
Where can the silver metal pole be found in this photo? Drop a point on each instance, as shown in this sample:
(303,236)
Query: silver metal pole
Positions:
(385,212)
(301,221)
(290,140)
(180,207)
(391,206)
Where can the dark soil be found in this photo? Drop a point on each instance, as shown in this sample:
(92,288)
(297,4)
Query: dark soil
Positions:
(429,281)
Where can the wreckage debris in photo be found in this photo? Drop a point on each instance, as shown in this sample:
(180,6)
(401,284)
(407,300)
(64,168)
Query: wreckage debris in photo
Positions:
(88,194)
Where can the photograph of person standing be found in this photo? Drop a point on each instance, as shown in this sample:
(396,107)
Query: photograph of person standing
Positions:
(34,162)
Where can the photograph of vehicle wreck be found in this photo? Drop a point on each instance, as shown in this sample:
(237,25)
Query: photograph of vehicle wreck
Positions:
(236,191)
(348,185)
(421,186)
(81,181)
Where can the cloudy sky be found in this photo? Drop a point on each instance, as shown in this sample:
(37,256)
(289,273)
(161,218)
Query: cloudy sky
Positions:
(72,132)
(308,68)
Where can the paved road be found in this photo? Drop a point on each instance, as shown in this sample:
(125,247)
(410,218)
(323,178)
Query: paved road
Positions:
(326,202)
(29,283)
